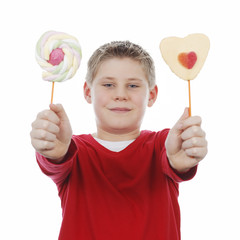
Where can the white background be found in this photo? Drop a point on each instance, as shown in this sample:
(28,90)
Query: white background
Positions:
(29,204)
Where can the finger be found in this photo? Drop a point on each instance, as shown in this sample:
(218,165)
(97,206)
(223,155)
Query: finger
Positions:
(59,111)
(49,115)
(177,128)
(43,135)
(191,121)
(197,153)
(194,142)
(41,145)
(45,125)
(194,131)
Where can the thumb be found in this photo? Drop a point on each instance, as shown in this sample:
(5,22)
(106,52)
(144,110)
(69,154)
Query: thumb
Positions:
(59,110)
(65,127)
(178,126)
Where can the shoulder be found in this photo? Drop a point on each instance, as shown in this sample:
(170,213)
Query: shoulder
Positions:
(82,137)
(83,140)
(152,135)
(152,139)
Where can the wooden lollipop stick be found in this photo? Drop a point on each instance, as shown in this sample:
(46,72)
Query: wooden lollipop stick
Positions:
(189,96)
(52,92)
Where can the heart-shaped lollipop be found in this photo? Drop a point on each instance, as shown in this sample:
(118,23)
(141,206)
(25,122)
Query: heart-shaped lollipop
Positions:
(185,56)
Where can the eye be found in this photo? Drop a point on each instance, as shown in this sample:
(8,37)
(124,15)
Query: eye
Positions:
(133,86)
(108,85)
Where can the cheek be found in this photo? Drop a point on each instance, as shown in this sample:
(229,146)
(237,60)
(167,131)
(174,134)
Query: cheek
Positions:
(141,100)
(99,98)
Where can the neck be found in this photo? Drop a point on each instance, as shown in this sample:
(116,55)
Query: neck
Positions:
(116,137)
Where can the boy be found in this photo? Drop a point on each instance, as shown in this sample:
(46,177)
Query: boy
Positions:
(120,182)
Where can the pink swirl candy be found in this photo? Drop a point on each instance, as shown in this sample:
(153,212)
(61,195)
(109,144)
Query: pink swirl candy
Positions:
(59,54)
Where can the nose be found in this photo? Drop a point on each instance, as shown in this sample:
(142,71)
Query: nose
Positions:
(121,94)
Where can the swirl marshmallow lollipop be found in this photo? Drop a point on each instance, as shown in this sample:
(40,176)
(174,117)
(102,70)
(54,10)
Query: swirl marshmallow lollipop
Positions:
(185,56)
(59,54)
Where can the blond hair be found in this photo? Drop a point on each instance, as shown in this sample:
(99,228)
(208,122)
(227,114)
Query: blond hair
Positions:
(121,49)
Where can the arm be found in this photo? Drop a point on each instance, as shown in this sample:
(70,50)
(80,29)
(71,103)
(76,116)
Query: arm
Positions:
(51,133)
(186,145)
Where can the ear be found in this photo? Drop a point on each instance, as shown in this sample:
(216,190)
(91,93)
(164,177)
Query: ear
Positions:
(87,92)
(152,96)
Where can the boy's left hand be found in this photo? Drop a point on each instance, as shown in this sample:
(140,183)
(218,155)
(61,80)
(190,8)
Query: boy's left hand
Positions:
(186,145)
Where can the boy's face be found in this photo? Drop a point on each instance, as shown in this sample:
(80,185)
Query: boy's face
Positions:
(120,94)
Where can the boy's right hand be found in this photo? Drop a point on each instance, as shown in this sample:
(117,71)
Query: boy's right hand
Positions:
(51,133)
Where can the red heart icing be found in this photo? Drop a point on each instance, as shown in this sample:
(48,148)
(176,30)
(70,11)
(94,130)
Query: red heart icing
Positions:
(56,56)
(188,60)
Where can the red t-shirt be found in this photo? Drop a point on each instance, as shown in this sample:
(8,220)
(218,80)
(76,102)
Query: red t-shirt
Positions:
(126,195)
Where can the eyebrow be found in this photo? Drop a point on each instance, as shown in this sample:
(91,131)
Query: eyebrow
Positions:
(135,79)
(107,78)
(128,79)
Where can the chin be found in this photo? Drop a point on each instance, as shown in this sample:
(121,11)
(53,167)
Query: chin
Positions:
(122,128)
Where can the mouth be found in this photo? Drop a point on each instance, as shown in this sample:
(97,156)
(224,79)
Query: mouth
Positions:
(120,110)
